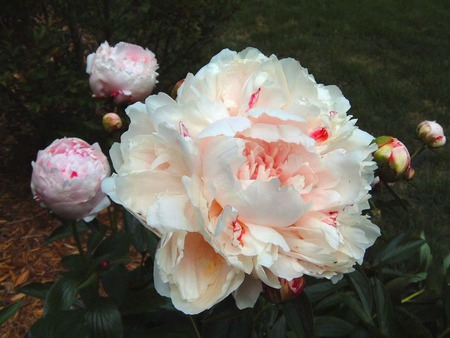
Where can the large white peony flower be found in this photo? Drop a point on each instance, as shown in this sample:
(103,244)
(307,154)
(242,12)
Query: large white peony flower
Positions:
(252,174)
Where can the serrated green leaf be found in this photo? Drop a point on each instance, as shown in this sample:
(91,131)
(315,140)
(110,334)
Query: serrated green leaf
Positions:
(9,311)
(329,326)
(104,319)
(299,316)
(38,290)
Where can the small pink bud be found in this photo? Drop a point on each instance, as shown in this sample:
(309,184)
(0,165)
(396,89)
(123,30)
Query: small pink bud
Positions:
(287,292)
(104,265)
(392,158)
(112,122)
(174,92)
(431,134)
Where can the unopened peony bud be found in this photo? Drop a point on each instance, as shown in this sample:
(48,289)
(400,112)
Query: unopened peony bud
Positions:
(104,265)
(174,91)
(287,292)
(125,72)
(67,176)
(409,174)
(392,158)
(112,122)
(431,133)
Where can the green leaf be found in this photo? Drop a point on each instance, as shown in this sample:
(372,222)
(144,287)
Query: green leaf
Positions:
(64,231)
(278,329)
(409,325)
(425,254)
(299,316)
(61,295)
(73,262)
(383,307)
(114,249)
(322,289)
(67,324)
(104,319)
(361,285)
(38,290)
(9,311)
(225,310)
(239,327)
(329,326)
(142,301)
(115,282)
(401,248)
(92,125)
(142,238)
(167,331)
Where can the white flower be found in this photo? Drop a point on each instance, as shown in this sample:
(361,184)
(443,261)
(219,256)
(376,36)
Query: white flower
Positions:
(125,72)
(431,133)
(67,176)
(260,161)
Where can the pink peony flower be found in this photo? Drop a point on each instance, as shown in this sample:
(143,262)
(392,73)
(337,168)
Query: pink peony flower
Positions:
(254,174)
(431,133)
(67,176)
(125,72)
(392,158)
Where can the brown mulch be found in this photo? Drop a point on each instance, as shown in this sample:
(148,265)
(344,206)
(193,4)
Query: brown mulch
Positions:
(24,258)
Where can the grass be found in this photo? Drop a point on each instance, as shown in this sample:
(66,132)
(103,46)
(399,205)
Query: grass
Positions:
(391,60)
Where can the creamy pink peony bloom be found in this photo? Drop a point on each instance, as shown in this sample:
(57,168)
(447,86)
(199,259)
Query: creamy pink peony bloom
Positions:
(125,72)
(431,133)
(67,176)
(392,157)
(257,166)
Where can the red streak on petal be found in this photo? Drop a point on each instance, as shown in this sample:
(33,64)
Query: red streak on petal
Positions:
(74,174)
(238,232)
(320,135)
(183,130)
(332,114)
(332,218)
(253,99)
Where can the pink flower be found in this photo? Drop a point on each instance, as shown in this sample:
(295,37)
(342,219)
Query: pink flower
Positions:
(392,158)
(125,72)
(67,176)
(258,168)
(431,133)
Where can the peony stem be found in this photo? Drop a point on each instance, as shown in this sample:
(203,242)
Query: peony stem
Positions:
(195,327)
(397,197)
(77,238)
(414,295)
(418,151)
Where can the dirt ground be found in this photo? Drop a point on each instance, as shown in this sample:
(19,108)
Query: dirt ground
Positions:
(24,258)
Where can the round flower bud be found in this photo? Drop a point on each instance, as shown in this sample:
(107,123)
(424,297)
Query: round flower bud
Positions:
(174,92)
(288,291)
(104,265)
(392,158)
(67,176)
(112,122)
(125,72)
(431,134)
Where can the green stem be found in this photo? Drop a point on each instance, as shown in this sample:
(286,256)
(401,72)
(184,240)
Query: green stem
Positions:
(395,195)
(195,327)
(414,295)
(77,238)
(418,151)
